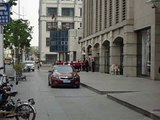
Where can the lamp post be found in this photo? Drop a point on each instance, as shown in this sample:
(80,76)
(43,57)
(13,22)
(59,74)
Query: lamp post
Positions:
(1,46)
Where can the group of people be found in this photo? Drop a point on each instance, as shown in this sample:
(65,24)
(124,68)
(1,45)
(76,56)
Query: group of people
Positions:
(89,65)
(115,69)
(83,65)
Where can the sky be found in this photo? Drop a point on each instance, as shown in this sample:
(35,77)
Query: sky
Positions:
(28,11)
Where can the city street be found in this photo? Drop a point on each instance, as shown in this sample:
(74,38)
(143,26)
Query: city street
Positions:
(70,103)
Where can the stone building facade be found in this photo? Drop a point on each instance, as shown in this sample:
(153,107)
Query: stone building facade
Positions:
(74,49)
(123,32)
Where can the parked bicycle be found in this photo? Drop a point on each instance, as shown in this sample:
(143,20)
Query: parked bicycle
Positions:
(21,110)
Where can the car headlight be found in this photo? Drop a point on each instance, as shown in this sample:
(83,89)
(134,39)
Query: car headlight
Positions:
(57,77)
(76,76)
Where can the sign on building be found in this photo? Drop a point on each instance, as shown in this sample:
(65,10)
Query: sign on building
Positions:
(4,13)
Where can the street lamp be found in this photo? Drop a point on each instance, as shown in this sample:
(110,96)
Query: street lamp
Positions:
(155,3)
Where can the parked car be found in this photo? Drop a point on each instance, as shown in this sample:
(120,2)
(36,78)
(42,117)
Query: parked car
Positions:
(29,66)
(61,75)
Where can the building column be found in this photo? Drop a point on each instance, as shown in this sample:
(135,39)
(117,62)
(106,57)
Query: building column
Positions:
(155,49)
(155,53)
(101,59)
(130,55)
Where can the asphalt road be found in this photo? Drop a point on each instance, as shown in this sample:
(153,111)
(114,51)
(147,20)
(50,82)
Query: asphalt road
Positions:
(70,103)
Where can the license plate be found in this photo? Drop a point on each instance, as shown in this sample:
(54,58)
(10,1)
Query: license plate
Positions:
(66,81)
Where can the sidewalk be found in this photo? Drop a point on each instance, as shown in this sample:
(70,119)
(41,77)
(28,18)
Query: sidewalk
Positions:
(139,94)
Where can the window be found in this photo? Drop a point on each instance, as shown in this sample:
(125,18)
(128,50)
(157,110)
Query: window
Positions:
(110,13)
(96,15)
(51,11)
(117,11)
(100,16)
(68,12)
(81,12)
(80,24)
(66,25)
(47,42)
(59,41)
(124,10)
(51,26)
(105,14)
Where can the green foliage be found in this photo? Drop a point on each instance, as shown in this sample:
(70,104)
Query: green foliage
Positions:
(18,67)
(17,33)
(12,3)
(34,50)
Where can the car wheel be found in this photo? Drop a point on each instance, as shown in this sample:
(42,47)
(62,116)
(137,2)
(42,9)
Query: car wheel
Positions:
(52,86)
(77,86)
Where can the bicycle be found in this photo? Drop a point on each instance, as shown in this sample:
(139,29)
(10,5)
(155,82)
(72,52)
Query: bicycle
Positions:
(21,110)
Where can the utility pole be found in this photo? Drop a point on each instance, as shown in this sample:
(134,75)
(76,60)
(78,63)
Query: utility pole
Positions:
(4,19)
(1,46)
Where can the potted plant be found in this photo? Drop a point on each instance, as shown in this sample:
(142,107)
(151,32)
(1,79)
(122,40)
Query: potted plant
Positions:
(18,67)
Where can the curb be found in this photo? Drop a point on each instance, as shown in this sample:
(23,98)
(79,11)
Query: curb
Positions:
(135,108)
(93,89)
(103,92)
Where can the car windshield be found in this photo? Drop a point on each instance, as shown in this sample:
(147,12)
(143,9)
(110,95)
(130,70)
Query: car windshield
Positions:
(63,68)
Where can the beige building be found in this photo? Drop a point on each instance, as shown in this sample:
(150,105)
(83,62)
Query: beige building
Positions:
(123,32)
(56,15)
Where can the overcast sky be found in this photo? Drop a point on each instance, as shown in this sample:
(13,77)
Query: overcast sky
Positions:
(29,8)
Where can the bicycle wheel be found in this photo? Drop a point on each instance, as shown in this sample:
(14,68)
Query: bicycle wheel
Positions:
(25,112)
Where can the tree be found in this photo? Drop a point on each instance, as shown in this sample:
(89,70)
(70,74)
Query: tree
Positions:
(7,42)
(17,34)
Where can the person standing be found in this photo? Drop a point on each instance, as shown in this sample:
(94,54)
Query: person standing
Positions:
(93,65)
(86,65)
(38,65)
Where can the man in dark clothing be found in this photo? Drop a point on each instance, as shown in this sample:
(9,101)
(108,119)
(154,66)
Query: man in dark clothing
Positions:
(86,65)
(93,65)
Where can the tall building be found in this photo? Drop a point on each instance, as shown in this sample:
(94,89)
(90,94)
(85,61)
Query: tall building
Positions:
(123,32)
(56,17)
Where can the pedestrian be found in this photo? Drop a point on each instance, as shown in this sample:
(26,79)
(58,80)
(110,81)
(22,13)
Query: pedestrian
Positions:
(86,65)
(93,65)
(38,65)
(79,65)
(83,65)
